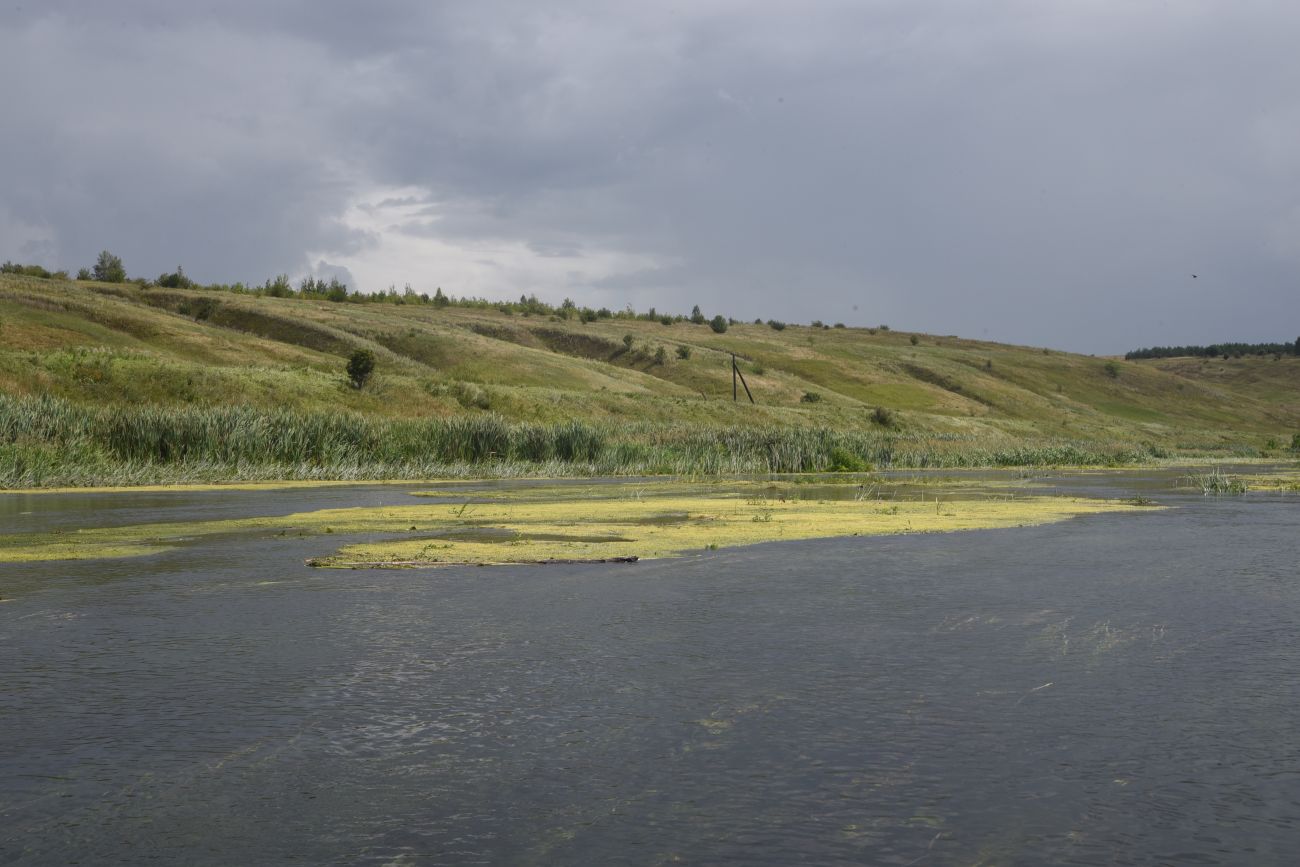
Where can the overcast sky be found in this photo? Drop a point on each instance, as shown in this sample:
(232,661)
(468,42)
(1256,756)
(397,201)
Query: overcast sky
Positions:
(1050,173)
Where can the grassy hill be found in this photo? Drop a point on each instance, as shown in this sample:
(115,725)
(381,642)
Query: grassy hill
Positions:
(120,348)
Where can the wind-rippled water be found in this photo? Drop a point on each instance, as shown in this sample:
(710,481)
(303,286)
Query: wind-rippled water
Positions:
(1114,689)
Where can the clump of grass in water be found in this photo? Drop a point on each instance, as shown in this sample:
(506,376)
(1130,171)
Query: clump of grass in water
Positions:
(1216,484)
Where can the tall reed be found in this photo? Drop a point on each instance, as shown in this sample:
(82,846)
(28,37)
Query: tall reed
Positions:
(46,440)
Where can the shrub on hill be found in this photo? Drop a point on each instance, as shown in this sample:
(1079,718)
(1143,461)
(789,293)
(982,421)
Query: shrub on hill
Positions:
(175,280)
(32,271)
(360,366)
(718,324)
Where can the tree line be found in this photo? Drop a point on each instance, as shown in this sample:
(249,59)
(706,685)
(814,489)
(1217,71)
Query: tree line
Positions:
(108,268)
(1214,350)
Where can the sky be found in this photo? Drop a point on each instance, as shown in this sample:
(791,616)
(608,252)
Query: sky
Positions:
(1093,176)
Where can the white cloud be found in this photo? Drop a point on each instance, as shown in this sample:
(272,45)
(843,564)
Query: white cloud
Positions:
(404,246)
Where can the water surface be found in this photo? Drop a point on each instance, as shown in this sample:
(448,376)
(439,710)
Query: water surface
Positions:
(1118,688)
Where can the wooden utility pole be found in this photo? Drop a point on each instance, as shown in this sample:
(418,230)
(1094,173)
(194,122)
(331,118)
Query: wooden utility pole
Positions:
(735,372)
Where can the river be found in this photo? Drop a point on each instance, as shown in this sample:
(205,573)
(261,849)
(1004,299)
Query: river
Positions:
(1114,689)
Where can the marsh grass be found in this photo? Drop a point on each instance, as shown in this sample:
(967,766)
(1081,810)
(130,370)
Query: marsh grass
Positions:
(1216,483)
(48,441)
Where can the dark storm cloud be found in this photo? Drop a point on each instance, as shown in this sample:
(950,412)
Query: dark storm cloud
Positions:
(1045,173)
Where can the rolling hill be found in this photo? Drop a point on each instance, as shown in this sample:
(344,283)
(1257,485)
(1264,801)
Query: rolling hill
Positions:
(122,345)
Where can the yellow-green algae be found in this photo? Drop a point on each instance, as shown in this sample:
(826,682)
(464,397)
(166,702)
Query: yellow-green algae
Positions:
(538,532)
(586,522)
(1276,481)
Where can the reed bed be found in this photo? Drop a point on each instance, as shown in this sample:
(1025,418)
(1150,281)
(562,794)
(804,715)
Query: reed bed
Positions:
(48,441)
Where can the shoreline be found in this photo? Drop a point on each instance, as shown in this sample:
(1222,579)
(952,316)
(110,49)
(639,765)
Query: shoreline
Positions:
(1272,463)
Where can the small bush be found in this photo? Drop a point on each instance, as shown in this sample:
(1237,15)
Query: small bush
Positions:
(84,274)
(683,352)
(884,327)
(882,416)
(718,324)
(360,366)
(844,461)
(1111,369)
(810,397)
(839,324)
(776,325)
(1295,442)
(661,356)
(696,316)
(913,340)
(627,341)
(817,323)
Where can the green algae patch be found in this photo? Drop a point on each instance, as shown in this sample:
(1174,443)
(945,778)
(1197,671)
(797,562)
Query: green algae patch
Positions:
(1286,481)
(568,523)
(625,529)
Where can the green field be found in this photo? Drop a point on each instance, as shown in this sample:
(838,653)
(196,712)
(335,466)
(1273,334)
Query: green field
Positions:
(103,383)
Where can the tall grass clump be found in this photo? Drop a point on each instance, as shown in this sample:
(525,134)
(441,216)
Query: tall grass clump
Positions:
(1216,483)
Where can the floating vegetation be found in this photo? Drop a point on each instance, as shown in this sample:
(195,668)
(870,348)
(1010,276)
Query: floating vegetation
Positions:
(574,523)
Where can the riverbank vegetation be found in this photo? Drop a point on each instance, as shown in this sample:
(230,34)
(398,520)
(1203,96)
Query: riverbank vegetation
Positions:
(123,383)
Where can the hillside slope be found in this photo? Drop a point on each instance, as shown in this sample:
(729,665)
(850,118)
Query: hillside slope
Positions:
(119,344)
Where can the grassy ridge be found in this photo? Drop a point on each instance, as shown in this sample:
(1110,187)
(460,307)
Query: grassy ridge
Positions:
(113,383)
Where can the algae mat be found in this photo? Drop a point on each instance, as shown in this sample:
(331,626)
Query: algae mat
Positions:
(567,523)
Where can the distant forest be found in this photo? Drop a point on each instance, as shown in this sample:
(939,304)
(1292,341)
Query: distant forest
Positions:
(1233,350)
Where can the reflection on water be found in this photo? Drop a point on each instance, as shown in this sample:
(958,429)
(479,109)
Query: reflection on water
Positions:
(1118,688)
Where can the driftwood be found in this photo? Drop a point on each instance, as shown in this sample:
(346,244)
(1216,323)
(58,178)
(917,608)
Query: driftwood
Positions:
(421,564)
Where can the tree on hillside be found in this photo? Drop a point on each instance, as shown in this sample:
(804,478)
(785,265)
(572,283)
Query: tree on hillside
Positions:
(718,324)
(696,316)
(175,280)
(108,269)
(360,366)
